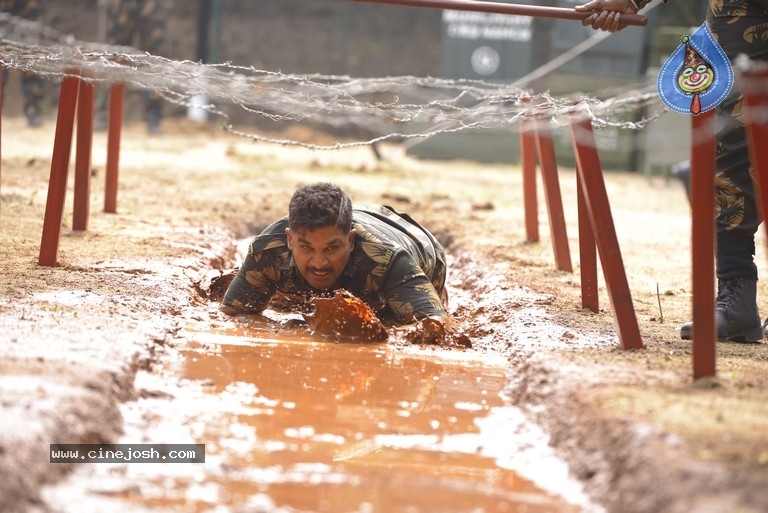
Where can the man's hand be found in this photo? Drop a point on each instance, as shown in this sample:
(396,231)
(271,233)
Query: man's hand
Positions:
(430,330)
(606,14)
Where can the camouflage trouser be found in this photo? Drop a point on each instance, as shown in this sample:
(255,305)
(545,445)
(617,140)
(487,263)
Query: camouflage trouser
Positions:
(141,24)
(31,84)
(741,27)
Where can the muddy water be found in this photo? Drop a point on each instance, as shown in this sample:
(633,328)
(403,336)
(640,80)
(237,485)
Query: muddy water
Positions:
(304,425)
(326,426)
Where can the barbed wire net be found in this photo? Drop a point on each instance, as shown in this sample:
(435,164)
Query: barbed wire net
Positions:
(389,108)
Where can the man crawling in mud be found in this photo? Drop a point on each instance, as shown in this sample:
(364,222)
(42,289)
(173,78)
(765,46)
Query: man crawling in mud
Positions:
(326,245)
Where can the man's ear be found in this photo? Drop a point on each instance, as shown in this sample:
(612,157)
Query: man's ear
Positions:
(289,238)
(352,234)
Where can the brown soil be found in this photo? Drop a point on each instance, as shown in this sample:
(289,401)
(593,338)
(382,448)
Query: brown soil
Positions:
(634,425)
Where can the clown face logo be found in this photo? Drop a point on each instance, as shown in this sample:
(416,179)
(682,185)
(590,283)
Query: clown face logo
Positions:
(697,78)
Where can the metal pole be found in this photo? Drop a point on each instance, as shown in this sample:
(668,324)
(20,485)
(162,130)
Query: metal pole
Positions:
(344,54)
(216,39)
(503,8)
(203,30)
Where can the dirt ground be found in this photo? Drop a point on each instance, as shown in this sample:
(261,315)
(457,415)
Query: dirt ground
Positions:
(634,426)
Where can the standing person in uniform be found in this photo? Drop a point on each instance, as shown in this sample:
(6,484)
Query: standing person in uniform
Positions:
(741,27)
(381,256)
(32,85)
(142,24)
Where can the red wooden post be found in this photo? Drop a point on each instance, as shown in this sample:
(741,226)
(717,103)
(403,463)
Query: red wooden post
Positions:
(548,161)
(587,252)
(1,120)
(528,162)
(83,156)
(57,183)
(596,201)
(703,243)
(116,93)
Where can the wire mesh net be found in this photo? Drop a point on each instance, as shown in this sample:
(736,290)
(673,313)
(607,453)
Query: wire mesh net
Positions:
(372,109)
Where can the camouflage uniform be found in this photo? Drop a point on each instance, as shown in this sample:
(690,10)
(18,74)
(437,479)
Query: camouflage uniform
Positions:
(32,85)
(741,26)
(140,23)
(397,267)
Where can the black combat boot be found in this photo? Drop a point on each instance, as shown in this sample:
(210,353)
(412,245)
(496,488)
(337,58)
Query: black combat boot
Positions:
(736,315)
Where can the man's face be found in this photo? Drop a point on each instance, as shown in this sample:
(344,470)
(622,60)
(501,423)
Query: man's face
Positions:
(321,254)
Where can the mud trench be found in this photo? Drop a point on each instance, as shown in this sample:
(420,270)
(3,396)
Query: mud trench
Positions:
(99,343)
(292,421)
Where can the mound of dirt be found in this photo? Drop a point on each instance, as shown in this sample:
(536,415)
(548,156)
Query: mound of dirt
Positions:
(345,316)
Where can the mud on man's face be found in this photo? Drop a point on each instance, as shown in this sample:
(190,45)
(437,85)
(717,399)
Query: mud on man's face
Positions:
(321,254)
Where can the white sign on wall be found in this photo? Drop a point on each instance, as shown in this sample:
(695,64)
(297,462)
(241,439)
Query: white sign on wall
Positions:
(494,27)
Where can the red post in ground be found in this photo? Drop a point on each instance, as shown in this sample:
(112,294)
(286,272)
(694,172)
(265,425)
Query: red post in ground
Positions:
(528,163)
(554,200)
(57,183)
(587,252)
(596,201)
(703,243)
(83,156)
(116,94)
(1,120)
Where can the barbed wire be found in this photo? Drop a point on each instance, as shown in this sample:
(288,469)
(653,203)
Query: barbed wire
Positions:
(388,108)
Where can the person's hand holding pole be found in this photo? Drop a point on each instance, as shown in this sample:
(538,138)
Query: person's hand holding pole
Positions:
(606,14)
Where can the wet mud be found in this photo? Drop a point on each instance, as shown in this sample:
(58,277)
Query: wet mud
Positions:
(296,420)
(95,345)
(293,423)
(345,317)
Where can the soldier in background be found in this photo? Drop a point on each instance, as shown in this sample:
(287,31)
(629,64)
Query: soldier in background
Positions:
(32,85)
(140,24)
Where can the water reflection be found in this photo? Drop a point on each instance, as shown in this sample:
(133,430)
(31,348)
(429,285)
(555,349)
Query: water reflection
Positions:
(350,427)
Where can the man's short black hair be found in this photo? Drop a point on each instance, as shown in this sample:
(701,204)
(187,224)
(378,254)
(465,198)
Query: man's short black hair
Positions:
(318,205)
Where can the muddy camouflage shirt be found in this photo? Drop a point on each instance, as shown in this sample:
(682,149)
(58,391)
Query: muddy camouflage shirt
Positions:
(397,267)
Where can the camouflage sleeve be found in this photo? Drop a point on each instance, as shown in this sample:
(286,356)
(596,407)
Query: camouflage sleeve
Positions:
(27,9)
(409,292)
(255,283)
(642,3)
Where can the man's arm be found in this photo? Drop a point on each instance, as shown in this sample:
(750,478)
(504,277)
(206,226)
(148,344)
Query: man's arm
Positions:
(409,292)
(254,284)
(412,296)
